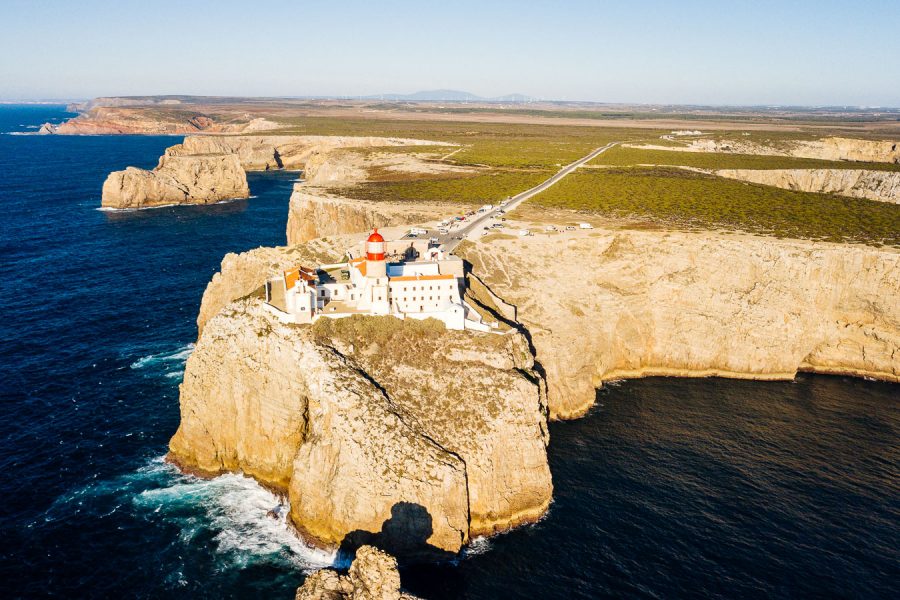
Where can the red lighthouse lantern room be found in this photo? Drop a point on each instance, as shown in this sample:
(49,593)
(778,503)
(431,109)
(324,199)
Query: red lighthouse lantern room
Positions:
(375,246)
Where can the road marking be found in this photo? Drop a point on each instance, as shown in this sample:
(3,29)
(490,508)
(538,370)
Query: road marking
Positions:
(516,200)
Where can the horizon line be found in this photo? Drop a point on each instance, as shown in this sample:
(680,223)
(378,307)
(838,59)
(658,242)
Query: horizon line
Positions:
(474,98)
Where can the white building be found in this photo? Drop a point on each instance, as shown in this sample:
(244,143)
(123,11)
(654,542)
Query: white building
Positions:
(391,278)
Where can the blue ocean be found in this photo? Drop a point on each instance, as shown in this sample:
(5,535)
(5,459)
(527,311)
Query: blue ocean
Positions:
(667,489)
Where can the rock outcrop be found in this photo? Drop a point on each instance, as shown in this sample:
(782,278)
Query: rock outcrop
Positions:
(373,576)
(260,153)
(398,433)
(314,213)
(830,148)
(838,148)
(205,169)
(242,274)
(133,118)
(882,186)
(615,304)
(178,179)
(316,210)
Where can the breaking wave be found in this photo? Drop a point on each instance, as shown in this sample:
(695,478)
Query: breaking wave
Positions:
(228,515)
(169,362)
(235,511)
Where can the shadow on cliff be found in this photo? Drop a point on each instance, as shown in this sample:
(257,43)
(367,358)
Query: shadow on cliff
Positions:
(512,323)
(404,535)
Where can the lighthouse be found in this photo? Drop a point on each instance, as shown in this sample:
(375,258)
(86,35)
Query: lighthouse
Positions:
(376,266)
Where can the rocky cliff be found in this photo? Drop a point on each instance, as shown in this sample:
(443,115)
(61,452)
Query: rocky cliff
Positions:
(397,433)
(260,153)
(831,148)
(130,117)
(372,576)
(838,148)
(882,186)
(242,274)
(314,213)
(204,169)
(316,210)
(178,179)
(614,304)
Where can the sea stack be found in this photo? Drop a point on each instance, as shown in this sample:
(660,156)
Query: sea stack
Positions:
(178,179)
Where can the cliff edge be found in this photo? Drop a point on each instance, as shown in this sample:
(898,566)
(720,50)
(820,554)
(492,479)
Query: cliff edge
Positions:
(881,186)
(317,209)
(205,169)
(618,304)
(370,425)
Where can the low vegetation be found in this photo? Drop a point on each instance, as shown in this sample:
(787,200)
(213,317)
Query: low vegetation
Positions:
(691,200)
(501,145)
(487,187)
(512,157)
(622,157)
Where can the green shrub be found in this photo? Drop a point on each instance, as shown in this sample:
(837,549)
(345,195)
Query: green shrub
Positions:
(691,200)
(619,156)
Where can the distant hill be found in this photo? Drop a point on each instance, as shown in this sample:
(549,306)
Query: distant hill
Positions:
(447,96)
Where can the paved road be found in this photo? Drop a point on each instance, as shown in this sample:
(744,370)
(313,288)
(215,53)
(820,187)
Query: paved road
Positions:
(477,221)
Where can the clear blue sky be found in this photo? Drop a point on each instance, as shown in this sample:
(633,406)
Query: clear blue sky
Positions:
(740,52)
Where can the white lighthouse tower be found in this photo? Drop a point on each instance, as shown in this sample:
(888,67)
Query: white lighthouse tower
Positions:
(376,275)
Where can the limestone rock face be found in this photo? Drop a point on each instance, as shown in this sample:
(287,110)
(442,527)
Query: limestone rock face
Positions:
(313,214)
(882,186)
(197,179)
(831,148)
(396,432)
(838,148)
(373,576)
(617,304)
(259,153)
(111,116)
(316,211)
(205,169)
(111,120)
(245,273)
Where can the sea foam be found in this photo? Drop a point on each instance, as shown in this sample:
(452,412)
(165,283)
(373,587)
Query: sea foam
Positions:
(167,359)
(232,510)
